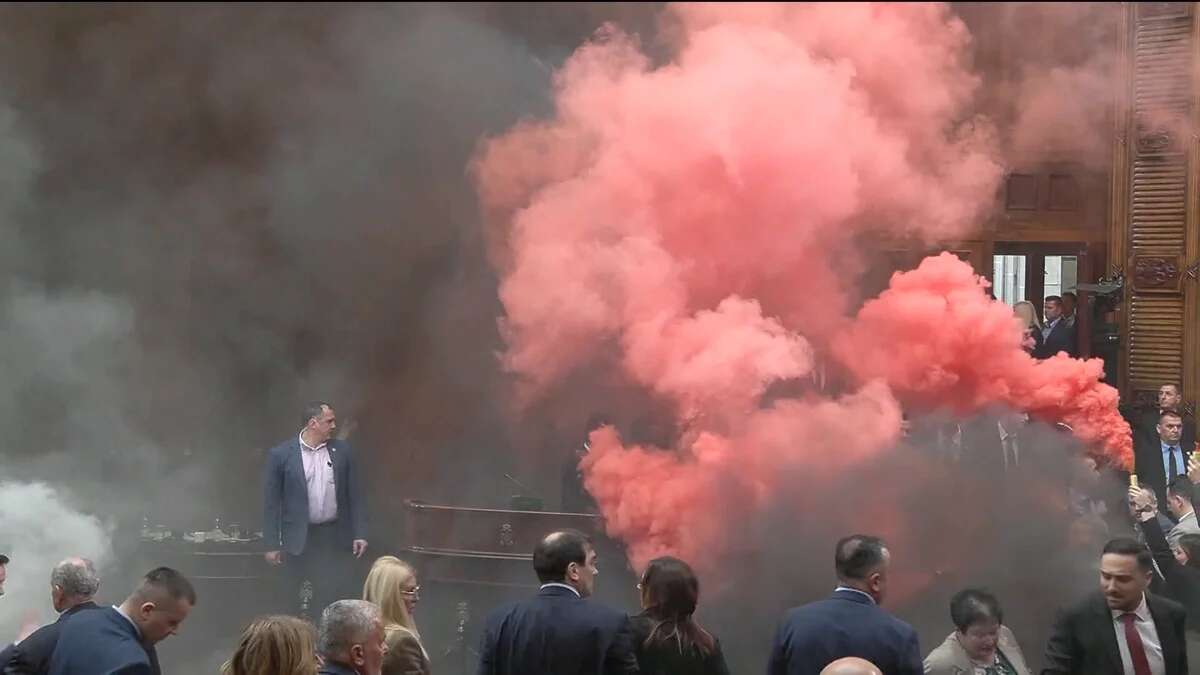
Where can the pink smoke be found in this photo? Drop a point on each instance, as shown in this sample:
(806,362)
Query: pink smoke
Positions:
(939,342)
(695,226)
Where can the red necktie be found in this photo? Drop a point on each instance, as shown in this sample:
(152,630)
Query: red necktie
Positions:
(1137,651)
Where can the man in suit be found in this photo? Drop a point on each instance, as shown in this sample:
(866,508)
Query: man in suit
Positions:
(351,639)
(1160,462)
(850,622)
(1057,334)
(1120,629)
(314,513)
(1145,422)
(73,583)
(1180,494)
(559,631)
(121,640)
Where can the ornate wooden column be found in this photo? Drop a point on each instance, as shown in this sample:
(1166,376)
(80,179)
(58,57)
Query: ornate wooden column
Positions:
(1153,233)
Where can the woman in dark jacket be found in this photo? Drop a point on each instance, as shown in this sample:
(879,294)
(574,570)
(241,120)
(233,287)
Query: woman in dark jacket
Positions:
(666,637)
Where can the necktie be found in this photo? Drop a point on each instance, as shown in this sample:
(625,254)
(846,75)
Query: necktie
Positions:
(1174,472)
(1137,650)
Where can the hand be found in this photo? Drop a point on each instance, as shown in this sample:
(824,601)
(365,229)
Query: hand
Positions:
(274,557)
(1193,470)
(360,547)
(1141,501)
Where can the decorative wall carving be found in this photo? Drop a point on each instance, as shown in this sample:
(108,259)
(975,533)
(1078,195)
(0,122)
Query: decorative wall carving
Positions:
(1163,10)
(1156,272)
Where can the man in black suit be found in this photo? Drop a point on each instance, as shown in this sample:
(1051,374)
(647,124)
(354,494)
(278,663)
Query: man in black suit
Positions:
(120,640)
(314,511)
(73,583)
(850,622)
(1160,461)
(559,631)
(1145,422)
(1120,629)
(1057,334)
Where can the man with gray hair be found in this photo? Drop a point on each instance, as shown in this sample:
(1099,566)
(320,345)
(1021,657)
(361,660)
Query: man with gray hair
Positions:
(73,583)
(351,639)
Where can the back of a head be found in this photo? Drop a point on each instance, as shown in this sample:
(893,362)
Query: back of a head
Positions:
(858,556)
(851,665)
(275,645)
(346,623)
(556,552)
(1190,543)
(384,586)
(77,578)
(163,583)
(1182,487)
(670,592)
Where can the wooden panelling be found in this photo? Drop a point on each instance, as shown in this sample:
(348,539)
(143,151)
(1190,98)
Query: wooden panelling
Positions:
(1152,232)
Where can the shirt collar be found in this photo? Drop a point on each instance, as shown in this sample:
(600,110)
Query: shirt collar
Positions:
(855,590)
(306,446)
(554,584)
(1142,611)
(129,619)
(1165,447)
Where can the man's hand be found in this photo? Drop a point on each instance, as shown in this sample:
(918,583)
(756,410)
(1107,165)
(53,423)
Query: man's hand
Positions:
(1193,472)
(274,557)
(1142,503)
(360,547)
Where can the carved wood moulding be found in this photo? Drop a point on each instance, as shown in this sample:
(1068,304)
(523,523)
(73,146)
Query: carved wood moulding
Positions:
(1160,273)
(1163,10)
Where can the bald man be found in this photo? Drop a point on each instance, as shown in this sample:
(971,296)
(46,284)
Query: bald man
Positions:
(851,665)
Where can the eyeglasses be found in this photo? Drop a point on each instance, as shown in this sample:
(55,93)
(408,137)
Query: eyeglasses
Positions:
(414,591)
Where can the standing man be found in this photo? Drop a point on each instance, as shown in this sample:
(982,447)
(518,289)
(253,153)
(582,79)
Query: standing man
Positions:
(1120,629)
(314,514)
(121,639)
(1069,301)
(850,622)
(73,583)
(1057,334)
(1160,462)
(1180,494)
(559,631)
(1145,424)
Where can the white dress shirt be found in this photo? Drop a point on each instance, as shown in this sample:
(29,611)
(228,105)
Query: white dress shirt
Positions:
(559,585)
(855,590)
(1149,634)
(318,477)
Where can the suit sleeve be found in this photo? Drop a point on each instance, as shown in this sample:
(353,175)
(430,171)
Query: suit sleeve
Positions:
(405,657)
(778,664)
(358,498)
(1181,635)
(272,503)
(910,658)
(1060,651)
(132,669)
(621,659)
(1157,541)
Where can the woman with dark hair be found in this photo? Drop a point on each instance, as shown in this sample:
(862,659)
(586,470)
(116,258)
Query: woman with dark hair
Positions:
(666,637)
(981,643)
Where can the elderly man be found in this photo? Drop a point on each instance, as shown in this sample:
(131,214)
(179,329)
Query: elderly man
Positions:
(851,666)
(122,639)
(351,639)
(73,583)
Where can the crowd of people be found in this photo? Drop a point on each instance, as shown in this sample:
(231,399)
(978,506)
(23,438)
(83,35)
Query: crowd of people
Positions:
(1132,624)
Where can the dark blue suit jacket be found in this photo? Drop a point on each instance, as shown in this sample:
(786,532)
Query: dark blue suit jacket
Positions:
(100,642)
(32,655)
(285,509)
(845,624)
(1060,339)
(557,633)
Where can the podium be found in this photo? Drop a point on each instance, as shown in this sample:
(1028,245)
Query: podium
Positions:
(478,558)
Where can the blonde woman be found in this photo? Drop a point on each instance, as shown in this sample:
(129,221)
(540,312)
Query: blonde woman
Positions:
(275,645)
(392,584)
(1027,313)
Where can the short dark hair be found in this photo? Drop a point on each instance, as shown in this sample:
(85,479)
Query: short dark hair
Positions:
(1182,487)
(1127,546)
(557,551)
(1169,413)
(857,555)
(164,581)
(313,409)
(973,605)
(1052,298)
(1190,543)
(1071,295)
